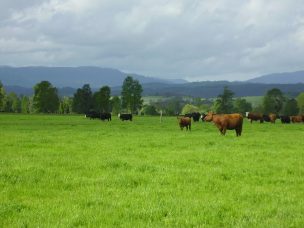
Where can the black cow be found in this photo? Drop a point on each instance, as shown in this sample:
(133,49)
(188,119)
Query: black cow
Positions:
(105,116)
(92,115)
(194,115)
(125,116)
(285,119)
(266,118)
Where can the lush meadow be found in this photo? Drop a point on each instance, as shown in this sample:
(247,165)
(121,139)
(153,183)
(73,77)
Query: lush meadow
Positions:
(61,171)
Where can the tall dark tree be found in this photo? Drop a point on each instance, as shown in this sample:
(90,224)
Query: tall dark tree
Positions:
(83,99)
(46,98)
(291,108)
(116,105)
(273,101)
(102,99)
(13,103)
(131,94)
(224,102)
(242,106)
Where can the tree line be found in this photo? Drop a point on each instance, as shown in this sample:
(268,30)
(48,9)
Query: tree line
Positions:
(47,100)
(274,101)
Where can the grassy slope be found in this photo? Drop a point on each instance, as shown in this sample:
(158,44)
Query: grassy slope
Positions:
(70,171)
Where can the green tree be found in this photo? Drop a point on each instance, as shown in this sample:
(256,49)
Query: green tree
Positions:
(46,99)
(116,105)
(25,104)
(224,101)
(188,108)
(273,101)
(300,102)
(15,103)
(131,95)
(65,106)
(102,99)
(242,106)
(83,99)
(2,97)
(291,108)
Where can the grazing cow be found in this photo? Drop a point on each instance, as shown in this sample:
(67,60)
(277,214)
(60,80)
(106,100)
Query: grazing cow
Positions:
(226,122)
(296,119)
(254,117)
(196,116)
(106,116)
(92,115)
(125,116)
(285,119)
(266,118)
(184,122)
(272,117)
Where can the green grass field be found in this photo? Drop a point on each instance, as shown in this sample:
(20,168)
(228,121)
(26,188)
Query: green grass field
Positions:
(67,171)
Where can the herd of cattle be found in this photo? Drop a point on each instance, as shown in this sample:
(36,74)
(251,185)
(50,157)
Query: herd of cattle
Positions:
(107,116)
(223,122)
(234,121)
(272,118)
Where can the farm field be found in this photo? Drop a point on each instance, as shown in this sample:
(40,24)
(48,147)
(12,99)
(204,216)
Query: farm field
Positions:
(66,171)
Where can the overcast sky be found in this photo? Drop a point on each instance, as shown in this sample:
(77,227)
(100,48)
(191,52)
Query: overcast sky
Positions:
(190,39)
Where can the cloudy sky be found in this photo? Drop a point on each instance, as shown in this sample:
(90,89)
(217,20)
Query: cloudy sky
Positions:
(191,39)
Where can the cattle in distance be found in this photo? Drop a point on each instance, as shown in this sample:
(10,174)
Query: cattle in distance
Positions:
(226,122)
(98,115)
(194,115)
(92,115)
(125,116)
(105,116)
(285,119)
(184,122)
(272,117)
(254,117)
(296,119)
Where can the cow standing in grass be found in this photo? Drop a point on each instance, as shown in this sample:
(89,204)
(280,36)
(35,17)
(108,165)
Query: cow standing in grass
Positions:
(272,117)
(255,117)
(125,116)
(296,119)
(285,119)
(92,115)
(184,122)
(226,122)
(106,116)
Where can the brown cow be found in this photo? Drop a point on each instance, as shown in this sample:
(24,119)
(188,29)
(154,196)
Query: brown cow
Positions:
(254,117)
(226,121)
(296,119)
(184,122)
(272,117)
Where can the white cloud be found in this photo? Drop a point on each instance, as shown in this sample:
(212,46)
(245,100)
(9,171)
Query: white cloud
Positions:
(212,39)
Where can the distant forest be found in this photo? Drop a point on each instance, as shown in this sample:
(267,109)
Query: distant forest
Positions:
(173,99)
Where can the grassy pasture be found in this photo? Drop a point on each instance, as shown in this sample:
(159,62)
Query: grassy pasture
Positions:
(67,171)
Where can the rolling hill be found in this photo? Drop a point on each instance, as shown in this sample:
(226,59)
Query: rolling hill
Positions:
(74,77)
(280,78)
